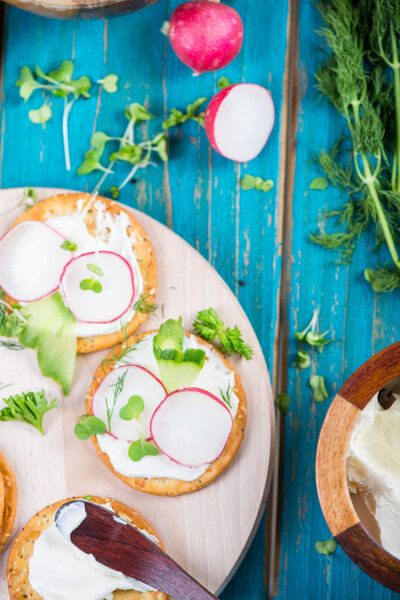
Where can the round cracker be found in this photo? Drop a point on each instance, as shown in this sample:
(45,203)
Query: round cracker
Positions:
(64,204)
(167,486)
(21,552)
(9,502)
(2,492)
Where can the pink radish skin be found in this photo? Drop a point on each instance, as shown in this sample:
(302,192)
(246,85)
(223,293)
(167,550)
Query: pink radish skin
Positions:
(125,395)
(238,121)
(91,257)
(48,292)
(205,35)
(159,426)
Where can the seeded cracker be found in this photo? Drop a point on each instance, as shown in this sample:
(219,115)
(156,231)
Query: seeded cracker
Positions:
(7,514)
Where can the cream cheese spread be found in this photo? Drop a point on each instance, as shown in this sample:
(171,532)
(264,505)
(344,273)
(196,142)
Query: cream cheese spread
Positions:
(58,570)
(110,233)
(373,468)
(214,377)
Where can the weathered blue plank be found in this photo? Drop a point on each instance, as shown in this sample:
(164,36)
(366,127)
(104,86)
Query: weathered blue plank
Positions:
(360,323)
(197,192)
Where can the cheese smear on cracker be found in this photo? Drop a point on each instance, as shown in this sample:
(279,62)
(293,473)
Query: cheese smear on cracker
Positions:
(58,570)
(110,234)
(214,377)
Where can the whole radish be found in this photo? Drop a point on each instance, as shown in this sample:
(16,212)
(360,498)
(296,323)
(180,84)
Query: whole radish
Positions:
(205,34)
(239,120)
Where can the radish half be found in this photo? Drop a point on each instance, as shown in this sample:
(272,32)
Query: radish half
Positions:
(205,35)
(138,382)
(117,281)
(31,260)
(191,426)
(239,120)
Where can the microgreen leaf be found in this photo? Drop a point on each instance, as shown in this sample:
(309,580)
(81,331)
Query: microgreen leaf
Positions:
(95,269)
(27,83)
(91,284)
(28,408)
(81,86)
(327,547)
(88,497)
(284,402)
(109,83)
(89,425)
(177,117)
(319,183)
(91,162)
(114,191)
(317,383)
(223,82)
(140,449)
(68,245)
(98,141)
(249,182)
(132,409)
(317,339)
(41,115)
(64,72)
(129,153)
(137,113)
(303,360)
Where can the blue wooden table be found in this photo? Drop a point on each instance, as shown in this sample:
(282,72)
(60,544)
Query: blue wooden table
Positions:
(257,241)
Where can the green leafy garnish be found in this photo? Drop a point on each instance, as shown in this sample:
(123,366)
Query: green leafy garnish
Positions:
(284,401)
(92,284)
(303,360)
(319,183)
(310,334)
(89,425)
(50,330)
(178,367)
(132,409)
(117,387)
(59,83)
(317,383)
(249,182)
(40,115)
(223,82)
(140,449)
(327,547)
(208,325)
(144,305)
(28,408)
(177,117)
(226,396)
(68,245)
(95,269)
(88,497)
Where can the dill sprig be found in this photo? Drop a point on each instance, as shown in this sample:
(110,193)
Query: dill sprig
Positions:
(361,77)
(145,305)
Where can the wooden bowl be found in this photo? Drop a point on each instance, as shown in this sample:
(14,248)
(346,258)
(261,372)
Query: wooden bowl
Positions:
(87,9)
(331,475)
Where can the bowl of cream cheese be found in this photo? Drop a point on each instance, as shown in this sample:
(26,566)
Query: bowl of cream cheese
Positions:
(358,467)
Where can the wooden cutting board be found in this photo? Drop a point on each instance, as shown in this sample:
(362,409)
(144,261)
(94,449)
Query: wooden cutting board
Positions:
(207,532)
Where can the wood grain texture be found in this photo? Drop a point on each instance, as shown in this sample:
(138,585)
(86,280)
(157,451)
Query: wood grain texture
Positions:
(185,522)
(197,192)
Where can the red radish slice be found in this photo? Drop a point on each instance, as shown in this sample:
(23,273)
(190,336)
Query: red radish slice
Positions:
(239,120)
(191,426)
(118,287)
(138,382)
(31,260)
(205,35)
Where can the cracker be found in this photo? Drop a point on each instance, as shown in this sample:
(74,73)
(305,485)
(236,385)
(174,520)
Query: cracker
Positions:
(21,552)
(63,204)
(2,492)
(166,486)
(9,502)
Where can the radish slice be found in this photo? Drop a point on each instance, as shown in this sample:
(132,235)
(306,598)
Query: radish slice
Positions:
(138,382)
(191,426)
(31,260)
(118,287)
(239,120)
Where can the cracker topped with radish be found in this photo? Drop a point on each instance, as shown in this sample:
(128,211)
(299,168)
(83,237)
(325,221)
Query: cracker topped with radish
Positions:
(166,411)
(76,270)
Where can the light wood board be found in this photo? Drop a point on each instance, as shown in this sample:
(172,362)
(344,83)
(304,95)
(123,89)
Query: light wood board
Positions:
(206,532)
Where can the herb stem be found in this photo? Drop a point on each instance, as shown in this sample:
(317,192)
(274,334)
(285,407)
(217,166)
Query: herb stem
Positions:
(67,110)
(396,74)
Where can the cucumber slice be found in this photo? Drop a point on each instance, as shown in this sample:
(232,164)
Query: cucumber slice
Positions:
(50,331)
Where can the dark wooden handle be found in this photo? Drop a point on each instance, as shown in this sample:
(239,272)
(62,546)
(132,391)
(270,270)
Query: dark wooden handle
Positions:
(120,546)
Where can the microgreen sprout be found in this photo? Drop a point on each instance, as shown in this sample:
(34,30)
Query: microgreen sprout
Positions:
(68,245)
(317,384)
(249,182)
(29,199)
(310,334)
(327,547)
(132,409)
(89,425)
(303,360)
(222,83)
(319,183)
(283,402)
(92,283)
(140,449)
(59,83)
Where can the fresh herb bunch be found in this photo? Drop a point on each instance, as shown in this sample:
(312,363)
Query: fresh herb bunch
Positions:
(361,77)
(138,154)
(209,326)
(28,408)
(61,84)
